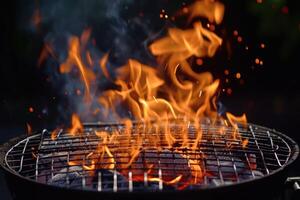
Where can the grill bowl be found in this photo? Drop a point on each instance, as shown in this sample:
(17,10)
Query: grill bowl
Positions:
(268,146)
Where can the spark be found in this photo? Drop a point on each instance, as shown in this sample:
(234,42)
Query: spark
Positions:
(229,91)
(285,10)
(30,109)
(199,61)
(261,63)
(185,10)
(239,39)
(226,72)
(78,92)
(235,33)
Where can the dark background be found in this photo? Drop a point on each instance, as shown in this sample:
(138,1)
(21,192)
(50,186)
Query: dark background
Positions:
(269,96)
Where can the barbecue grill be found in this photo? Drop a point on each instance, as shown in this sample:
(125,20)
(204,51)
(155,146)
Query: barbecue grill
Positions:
(37,166)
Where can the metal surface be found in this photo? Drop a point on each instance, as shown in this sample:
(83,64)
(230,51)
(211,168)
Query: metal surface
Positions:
(295,181)
(44,160)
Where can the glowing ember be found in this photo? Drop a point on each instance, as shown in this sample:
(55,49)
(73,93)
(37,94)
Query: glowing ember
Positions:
(30,109)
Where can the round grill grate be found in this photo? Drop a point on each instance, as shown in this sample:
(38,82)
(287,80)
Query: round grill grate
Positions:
(72,161)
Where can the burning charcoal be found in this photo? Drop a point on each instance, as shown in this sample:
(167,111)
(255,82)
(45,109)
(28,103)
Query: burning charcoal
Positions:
(72,177)
(169,164)
(105,180)
(230,167)
(225,163)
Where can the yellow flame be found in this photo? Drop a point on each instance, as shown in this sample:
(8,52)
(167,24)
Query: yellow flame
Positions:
(76,127)
(158,97)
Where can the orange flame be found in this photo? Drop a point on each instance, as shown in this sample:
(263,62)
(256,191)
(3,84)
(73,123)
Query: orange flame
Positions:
(37,18)
(29,129)
(103,62)
(209,9)
(156,97)
(74,58)
(76,127)
(54,134)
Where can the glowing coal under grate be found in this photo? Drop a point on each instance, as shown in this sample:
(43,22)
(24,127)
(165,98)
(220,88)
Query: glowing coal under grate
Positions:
(223,160)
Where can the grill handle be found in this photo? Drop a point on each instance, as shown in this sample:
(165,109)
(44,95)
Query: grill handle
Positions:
(294,181)
(293,188)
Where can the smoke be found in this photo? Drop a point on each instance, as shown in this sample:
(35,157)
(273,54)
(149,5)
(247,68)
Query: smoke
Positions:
(116,25)
(124,28)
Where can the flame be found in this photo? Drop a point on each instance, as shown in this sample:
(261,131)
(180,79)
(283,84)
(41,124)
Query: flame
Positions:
(89,167)
(103,63)
(235,120)
(245,143)
(29,129)
(75,59)
(46,51)
(54,134)
(37,18)
(209,9)
(157,99)
(171,182)
(76,127)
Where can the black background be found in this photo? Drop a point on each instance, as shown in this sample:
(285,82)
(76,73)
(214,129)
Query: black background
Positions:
(270,95)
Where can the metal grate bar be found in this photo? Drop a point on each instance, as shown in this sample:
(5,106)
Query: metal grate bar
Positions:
(22,157)
(160,183)
(68,169)
(145,179)
(249,165)
(45,160)
(99,186)
(83,181)
(234,166)
(258,147)
(218,164)
(38,156)
(52,157)
(272,145)
(115,178)
(130,184)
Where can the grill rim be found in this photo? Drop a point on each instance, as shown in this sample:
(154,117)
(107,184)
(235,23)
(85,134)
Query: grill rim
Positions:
(4,150)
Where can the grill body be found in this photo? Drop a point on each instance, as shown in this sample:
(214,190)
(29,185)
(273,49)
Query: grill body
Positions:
(284,152)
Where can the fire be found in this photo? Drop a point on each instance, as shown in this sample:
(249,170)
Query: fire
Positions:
(158,98)
(37,18)
(75,59)
(175,180)
(209,9)
(77,127)
(54,134)
(29,129)
(103,63)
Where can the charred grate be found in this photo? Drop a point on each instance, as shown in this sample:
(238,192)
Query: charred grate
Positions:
(223,160)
